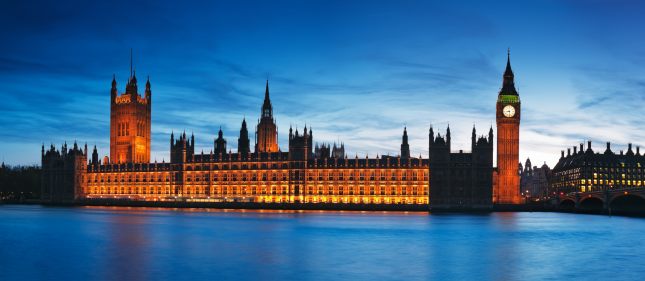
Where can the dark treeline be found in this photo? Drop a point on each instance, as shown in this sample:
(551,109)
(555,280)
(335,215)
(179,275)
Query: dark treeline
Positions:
(19,182)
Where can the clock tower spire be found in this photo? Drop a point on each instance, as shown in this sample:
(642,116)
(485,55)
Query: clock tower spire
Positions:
(507,186)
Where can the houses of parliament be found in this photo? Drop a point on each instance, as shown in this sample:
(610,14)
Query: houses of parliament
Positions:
(307,172)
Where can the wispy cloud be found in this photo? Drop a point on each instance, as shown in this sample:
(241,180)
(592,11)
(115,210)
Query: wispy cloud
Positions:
(356,73)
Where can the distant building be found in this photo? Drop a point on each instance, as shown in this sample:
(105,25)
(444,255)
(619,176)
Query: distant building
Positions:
(326,151)
(458,179)
(534,180)
(586,170)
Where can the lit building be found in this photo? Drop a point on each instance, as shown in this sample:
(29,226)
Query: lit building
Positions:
(506,177)
(130,122)
(266,175)
(589,171)
(300,174)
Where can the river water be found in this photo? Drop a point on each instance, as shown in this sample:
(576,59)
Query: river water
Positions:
(105,243)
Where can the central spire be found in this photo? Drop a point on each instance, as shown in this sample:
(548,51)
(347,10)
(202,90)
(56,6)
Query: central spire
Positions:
(267,109)
(266,132)
(508,84)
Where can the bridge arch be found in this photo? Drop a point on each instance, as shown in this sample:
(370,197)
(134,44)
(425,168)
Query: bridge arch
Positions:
(628,202)
(568,204)
(591,203)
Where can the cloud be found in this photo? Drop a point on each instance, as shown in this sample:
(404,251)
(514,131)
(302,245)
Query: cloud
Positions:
(357,73)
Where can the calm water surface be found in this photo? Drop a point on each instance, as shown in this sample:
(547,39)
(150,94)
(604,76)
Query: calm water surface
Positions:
(94,243)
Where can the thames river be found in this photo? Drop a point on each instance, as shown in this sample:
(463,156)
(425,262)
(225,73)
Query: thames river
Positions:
(104,243)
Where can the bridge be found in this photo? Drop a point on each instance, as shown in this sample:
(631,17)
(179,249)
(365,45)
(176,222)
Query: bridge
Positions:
(625,200)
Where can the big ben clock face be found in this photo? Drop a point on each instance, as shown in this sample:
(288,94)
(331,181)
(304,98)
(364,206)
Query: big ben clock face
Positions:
(509,111)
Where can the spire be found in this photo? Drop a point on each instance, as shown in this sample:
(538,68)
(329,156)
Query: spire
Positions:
(508,84)
(405,147)
(243,143)
(508,72)
(405,135)
(448,136)
(113,91)
(266,91)
(220,134)
(267,109)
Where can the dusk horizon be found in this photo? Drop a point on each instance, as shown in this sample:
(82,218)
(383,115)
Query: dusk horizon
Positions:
(346,72)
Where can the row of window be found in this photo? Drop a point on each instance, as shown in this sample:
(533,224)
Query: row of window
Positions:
(123,129)
(251,191)
(263,177)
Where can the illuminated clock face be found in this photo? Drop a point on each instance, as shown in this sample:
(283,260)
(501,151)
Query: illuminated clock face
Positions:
(509,111)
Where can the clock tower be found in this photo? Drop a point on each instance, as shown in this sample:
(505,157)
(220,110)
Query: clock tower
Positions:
(507,187)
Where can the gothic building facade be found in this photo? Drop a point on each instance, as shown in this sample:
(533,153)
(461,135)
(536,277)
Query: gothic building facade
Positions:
(304,173)
(459,179)
(63,173)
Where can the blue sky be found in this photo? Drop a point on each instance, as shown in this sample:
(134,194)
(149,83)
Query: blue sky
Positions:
(355,71)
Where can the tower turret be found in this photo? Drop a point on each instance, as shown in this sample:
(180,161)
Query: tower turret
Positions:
(473,139)
(148,92)
(95,156)
(448,137)
(113,91)
(220,143)
(405,147)
(243,146)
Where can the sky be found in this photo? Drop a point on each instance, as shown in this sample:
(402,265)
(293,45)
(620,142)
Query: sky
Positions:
(355,71)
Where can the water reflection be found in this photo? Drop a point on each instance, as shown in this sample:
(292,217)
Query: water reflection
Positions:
(117,243)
